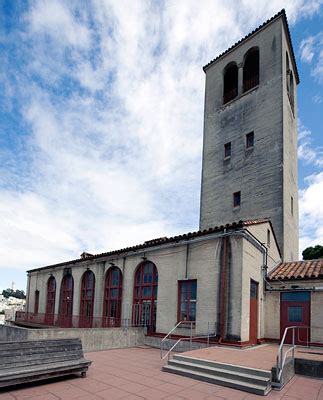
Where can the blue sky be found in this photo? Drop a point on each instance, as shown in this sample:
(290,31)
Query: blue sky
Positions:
(101,120)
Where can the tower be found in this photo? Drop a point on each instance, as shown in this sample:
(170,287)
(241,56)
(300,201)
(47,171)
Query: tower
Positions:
(250,134)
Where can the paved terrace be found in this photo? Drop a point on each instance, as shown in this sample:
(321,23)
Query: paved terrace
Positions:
(261,357)
(135,374)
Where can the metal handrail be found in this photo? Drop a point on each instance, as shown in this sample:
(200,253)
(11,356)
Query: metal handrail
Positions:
(281,357)
(183,339)
(171,331)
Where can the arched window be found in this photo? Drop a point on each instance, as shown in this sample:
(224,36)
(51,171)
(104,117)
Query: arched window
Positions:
(251,69)
(289,83)
(112,298)
(230,82)
(50,302)
(87,299)
(66,301)
(145,296)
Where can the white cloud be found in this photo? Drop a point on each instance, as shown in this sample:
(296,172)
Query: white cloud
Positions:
(311,51)
(308,153)
(112,95)
(311,212)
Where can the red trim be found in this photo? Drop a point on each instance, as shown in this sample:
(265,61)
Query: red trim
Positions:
(87,299)
(189,299)
(50,301)
(111,302)
(66,301)
(145,296)
(223,287)
(36,305)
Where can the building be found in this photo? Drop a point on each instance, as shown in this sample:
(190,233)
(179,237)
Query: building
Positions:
(229,278)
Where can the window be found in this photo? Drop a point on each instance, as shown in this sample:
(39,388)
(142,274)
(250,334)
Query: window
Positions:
(292,205)
(295,314)
(36,306)
(230,82)
(268,238)
(87,299)
(289,83)
(187,300)
(112,297)
(227,150)
(50,305)
(144,311)
(236,199)
(251,69)
(250,140)
(66,300)
(296,296)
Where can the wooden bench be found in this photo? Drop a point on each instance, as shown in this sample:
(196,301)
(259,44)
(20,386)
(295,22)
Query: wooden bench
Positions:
(34,360)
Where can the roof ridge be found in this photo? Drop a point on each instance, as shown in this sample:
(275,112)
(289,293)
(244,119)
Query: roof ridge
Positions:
(282,13)
(163,240)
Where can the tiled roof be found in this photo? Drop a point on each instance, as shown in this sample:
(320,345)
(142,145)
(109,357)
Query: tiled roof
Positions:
(161,241)
(282,14)
(297,270)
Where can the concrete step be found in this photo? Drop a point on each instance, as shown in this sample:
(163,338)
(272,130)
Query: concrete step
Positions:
(234,376)
(238,376)
(224,366)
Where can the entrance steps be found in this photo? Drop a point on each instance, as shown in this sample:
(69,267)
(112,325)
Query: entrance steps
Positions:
(250,380)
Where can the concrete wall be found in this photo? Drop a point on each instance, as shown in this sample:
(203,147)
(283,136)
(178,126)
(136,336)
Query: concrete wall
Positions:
(290,165)
(264,173)
(92,339)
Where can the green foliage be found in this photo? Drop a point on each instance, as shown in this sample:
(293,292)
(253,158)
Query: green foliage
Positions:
(18,294)
(313,253)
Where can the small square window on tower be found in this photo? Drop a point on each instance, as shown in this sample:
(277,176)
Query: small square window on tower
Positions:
(236,199)
(250,140)
(227,150)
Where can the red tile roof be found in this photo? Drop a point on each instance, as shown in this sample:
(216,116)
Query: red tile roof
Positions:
(160,241)
(297,270)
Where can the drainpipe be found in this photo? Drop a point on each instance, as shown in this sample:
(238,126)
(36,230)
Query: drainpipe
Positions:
(186,262)
(223,287)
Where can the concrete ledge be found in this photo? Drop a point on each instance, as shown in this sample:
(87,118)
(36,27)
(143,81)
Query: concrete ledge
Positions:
(93,339)
(311,368)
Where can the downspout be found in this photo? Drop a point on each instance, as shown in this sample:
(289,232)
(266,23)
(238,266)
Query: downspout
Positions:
(223,287)
(186,261)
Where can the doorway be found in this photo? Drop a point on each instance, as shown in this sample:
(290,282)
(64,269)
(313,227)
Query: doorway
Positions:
(295,308)
(253,315)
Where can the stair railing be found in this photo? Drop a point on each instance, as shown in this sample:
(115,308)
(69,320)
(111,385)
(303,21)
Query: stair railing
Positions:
(282,356)
(191,338)
(163,341)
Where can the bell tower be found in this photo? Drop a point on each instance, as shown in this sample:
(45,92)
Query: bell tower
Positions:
(250,134)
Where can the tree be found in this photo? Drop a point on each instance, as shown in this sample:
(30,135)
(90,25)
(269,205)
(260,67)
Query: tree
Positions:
(18,294)
(313,253)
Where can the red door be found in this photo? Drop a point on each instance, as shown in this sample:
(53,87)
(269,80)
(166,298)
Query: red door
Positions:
(295,311)
(253,316)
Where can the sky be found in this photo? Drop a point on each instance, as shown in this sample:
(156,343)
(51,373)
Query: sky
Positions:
(101,120)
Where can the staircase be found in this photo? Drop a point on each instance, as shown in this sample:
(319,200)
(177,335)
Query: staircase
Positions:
(250,380)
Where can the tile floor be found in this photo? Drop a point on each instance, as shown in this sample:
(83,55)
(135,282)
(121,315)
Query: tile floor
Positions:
(135,374)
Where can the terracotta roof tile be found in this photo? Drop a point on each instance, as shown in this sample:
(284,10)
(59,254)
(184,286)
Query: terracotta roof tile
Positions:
(282,14)
(160,241)
(297,270)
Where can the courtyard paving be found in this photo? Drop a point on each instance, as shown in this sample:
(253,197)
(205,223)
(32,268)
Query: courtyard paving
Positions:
(135,374)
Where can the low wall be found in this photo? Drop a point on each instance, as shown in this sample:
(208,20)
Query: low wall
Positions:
(93,339)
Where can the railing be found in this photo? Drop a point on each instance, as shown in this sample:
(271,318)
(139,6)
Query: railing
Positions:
(78,321)
(282,356)
(191,338)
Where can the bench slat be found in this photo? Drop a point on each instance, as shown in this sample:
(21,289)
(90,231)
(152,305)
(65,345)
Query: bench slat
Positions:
(28,361)
(40,359)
